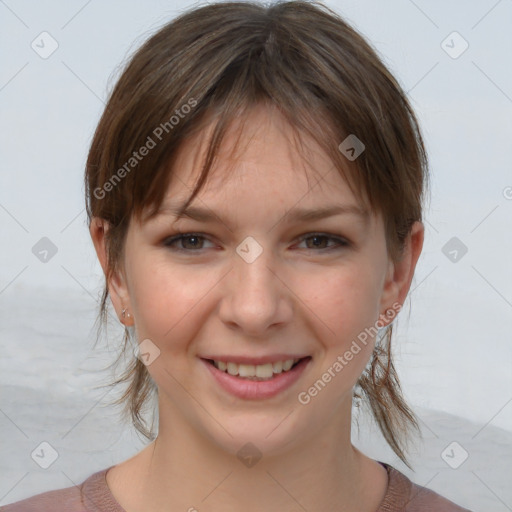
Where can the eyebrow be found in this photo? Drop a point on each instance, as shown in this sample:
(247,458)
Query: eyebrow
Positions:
(294,214)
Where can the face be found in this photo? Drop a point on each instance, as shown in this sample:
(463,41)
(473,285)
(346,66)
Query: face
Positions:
(258,284)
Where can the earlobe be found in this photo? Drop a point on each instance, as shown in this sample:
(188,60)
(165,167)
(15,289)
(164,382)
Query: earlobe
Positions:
(117,288)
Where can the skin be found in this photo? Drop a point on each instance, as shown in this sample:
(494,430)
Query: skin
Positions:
(293,299)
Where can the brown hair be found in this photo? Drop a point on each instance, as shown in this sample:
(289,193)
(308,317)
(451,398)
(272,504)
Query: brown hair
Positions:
(213,64)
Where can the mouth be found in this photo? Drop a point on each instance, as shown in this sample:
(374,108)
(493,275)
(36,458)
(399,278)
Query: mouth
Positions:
(256,372)
(256,381)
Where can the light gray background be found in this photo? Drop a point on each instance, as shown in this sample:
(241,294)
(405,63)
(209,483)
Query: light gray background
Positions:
(454,350)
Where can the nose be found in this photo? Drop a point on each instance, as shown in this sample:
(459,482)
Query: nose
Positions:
(256,299)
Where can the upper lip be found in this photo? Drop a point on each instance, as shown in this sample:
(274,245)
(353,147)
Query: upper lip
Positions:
(273,358)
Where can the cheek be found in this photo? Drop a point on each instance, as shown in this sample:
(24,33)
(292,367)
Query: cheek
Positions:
(345,301)
(345,306)
(167,301)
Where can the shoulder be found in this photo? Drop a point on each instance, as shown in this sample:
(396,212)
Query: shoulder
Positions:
(404,495)
(61,499)
(92,495)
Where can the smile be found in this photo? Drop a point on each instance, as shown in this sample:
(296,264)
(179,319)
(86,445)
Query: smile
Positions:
(256,372)
(256,381)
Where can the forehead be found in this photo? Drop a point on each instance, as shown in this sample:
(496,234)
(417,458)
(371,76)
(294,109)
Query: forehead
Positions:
(261,155)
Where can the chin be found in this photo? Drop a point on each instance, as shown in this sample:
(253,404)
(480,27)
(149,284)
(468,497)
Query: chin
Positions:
(257,435)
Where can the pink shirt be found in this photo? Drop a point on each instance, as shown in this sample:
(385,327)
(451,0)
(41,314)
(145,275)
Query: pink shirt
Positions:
(94,495)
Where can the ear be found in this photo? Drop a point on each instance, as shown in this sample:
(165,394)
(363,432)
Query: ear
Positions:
(117,288)
(399,276)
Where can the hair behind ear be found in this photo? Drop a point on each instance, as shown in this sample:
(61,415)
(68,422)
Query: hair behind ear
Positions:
(381,388)
(379,383)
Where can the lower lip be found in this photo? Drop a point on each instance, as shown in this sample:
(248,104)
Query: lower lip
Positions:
(254,389)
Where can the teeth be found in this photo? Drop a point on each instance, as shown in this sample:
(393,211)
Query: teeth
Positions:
(260,371)
(247,370)
(287,365)
(277,367)
(232,368)
(264,371)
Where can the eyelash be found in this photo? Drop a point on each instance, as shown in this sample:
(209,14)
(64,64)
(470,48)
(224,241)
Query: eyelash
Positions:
(341,243)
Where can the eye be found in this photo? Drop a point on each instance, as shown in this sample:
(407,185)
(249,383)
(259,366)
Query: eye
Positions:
(194,242)
(318,240)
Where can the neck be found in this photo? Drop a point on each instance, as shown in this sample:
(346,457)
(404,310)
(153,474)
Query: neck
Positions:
(183,470)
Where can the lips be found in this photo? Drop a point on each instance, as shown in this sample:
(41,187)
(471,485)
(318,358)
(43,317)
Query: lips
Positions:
(252,387)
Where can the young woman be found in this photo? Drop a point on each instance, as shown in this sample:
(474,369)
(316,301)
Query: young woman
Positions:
(255,190)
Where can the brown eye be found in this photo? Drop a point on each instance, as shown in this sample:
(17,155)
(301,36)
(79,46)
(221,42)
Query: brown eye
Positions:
(187,242)
(320,241)
(194,242)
